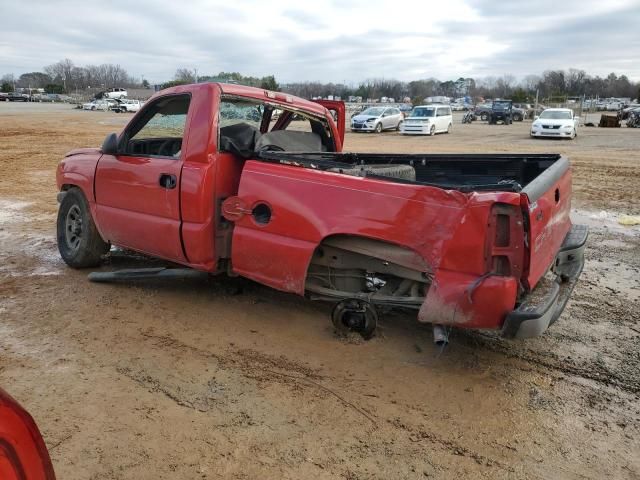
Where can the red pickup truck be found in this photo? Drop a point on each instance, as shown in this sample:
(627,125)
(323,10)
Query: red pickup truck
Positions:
(253,183)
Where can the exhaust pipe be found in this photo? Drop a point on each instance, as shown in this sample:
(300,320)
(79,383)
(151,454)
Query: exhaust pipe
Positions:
(440,335)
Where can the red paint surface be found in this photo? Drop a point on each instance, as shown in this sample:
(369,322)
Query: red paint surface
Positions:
(549,223)
(23,454)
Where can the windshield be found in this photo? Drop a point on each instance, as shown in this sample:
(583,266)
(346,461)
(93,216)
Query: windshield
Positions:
(375,111)
(555,115)
(423,112)
(240,111)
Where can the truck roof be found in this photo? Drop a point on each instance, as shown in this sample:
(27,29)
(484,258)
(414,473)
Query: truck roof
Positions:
(253,93)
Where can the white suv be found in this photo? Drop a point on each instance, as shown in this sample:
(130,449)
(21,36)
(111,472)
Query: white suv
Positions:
(115,93)
(428,120)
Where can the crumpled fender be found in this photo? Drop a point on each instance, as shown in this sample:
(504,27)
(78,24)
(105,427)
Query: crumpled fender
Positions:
(468,301)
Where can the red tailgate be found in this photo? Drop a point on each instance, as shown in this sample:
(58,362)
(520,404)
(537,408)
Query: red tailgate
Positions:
(548,202)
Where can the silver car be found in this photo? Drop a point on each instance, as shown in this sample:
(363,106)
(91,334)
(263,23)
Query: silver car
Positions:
(377,119)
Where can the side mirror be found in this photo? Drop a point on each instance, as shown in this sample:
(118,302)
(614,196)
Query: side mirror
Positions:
(110,144)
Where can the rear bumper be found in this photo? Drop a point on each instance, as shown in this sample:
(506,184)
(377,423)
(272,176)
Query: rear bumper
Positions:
(541,307)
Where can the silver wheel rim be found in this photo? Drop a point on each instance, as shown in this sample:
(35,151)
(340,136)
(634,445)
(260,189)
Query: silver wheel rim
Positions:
(73,227)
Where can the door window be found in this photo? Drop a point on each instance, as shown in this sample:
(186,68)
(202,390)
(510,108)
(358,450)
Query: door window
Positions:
(160,129)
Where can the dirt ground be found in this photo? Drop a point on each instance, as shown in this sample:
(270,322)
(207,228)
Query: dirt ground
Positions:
(184,380)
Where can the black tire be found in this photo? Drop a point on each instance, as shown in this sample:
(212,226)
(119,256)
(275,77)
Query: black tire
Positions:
(353,315)
(378,128)
(406,172)
(517,118)
(399,125)
(432,131)
(448,129)
(79,243)
(484,116)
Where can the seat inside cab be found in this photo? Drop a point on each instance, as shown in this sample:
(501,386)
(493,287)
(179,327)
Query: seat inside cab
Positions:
(247,127)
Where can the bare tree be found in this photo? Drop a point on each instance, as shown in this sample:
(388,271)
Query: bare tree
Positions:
(530,82)
(61,71)
(184,75)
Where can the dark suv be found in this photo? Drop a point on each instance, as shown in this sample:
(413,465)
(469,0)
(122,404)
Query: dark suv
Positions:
(501,111)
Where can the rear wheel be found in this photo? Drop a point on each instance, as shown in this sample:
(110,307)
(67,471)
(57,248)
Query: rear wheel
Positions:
(353,315)
(79,242)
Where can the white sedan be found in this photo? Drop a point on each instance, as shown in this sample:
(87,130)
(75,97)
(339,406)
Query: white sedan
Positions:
(555,122)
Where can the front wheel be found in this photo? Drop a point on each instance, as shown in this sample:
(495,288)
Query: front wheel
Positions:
(484,117)
(378,128)
(79,243)
(399,125)
(449,129)
(432,132)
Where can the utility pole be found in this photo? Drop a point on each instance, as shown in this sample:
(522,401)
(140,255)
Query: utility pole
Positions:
(196,74)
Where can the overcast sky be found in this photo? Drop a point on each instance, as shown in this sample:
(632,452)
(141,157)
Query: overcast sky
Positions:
(337,41)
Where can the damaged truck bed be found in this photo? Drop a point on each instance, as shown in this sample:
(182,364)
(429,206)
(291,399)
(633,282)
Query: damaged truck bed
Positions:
(471,241)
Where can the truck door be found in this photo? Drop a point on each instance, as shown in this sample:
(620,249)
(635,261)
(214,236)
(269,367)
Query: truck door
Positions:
(137,190)
(338,111)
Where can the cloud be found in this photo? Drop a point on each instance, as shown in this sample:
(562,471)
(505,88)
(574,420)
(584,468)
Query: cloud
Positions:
(326,41)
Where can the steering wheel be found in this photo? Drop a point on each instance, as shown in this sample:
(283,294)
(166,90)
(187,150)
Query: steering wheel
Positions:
(166,146)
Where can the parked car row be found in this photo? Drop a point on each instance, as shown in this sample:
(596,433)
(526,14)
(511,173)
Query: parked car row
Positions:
(606,104)
(421,120)
(118,106)
(34,97)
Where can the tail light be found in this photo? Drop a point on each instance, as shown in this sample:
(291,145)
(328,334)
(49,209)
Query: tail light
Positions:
(505,241)
(23,454)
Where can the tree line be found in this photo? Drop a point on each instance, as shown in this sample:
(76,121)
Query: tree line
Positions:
(184,76)
(65,77)
(550,84)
